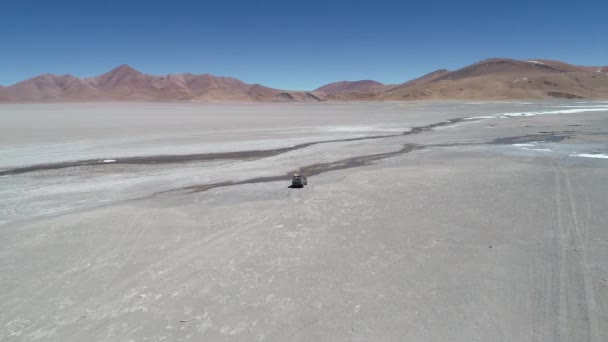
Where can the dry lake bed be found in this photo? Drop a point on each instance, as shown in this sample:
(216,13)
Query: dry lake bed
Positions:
(422,221)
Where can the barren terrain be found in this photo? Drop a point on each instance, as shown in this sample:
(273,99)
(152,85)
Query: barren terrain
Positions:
(422,221)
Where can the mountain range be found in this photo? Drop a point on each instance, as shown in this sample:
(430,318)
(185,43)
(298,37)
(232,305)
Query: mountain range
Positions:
(490,79)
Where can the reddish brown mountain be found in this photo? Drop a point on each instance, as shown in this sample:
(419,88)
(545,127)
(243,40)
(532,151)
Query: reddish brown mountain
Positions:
(126,83)
(49,87)
(490,79)
(423,79)
(501,78)
(363,86)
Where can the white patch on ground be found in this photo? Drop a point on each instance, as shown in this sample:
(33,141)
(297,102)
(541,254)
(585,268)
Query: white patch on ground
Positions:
(377,128)
(529,147)
(520,79)
(536,62)
(108,161)
(432,244)
(581,109)
(589,155)
(583,106)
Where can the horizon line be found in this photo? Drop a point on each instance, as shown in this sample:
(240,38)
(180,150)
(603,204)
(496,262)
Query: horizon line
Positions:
(257,83)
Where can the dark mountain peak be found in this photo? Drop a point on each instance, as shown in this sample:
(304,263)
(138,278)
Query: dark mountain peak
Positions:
(122,75)
(125,68)
(120,71)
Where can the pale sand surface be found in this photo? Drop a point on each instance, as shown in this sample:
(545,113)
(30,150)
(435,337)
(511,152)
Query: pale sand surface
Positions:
(487,229)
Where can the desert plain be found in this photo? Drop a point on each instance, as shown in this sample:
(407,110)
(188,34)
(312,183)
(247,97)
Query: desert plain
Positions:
(422,221)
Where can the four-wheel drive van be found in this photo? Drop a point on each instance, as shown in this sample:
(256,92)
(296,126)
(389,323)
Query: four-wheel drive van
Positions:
(298,181)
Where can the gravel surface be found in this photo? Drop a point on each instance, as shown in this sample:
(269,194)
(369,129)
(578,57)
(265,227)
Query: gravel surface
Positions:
(490,229)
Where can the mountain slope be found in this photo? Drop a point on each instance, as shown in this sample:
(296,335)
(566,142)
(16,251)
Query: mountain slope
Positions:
(490,79)
(49,87)
(422,79)
(363,86)
(503,79)
(127,84)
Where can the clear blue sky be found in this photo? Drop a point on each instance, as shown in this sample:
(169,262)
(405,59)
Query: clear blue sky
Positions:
(293,44)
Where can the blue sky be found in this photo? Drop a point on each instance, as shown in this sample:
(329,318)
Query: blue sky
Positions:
(293,44)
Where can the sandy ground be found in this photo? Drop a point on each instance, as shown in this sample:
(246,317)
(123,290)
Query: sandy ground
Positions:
(490,229)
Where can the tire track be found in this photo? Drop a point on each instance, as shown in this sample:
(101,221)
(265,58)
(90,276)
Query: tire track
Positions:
(570,294)
(580,241)
(559,294)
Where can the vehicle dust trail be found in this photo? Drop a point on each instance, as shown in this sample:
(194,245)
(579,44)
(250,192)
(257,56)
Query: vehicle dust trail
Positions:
(198,157)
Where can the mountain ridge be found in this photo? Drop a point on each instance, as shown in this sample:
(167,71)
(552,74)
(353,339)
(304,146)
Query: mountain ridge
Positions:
(507,79)
(349,86)
(489,79)
(125,83)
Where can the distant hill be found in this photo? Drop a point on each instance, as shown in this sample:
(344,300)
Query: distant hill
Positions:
(127,84)
(506,79)
(490,79)
(364,90)
(363,86)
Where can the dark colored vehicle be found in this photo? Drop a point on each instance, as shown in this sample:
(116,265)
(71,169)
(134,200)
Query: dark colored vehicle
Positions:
(298,181)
